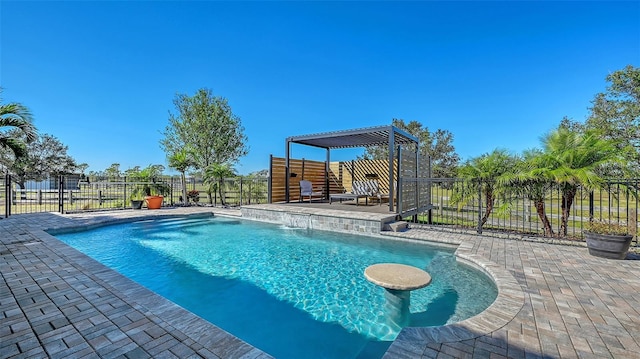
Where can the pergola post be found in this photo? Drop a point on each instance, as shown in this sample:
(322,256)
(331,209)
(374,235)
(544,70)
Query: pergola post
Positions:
(327,190)
(392,142)
(286,169)
(398,186)
(417,189)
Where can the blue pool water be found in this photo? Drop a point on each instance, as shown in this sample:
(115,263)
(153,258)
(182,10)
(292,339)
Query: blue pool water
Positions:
(290,292)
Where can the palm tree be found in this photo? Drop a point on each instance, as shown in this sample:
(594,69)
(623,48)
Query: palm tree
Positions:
(569,159)
(181,161)
(213,176)
(529,179)
(18,116)
(484,172)
(572,159)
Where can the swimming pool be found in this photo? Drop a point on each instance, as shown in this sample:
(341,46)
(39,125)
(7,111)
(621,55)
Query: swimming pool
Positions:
(290,292)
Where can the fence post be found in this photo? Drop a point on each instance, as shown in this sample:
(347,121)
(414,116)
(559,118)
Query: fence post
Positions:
(7,195)
(171,188)
(39,196)
(430,212)
(61,193)
(269,183)
(124,192)
(632,223)
(479,207)
(591,206)
(240,191)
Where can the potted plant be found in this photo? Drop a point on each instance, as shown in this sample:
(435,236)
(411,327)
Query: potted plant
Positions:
(607,239)
(148,186)
(155,192)
(137,198)
(193,196)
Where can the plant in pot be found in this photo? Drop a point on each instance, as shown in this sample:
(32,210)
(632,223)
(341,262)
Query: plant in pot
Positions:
(155,192)
(193,196)
(149,187)
(137,197)
(607,239)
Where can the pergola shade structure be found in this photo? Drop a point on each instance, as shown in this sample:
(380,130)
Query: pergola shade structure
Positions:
(390,136)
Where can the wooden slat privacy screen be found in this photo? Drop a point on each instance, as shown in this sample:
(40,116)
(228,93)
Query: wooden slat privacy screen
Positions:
(341,176)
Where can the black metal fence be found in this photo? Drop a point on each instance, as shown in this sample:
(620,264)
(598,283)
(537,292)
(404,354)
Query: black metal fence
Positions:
(73,193)
(456,205)
(452,203)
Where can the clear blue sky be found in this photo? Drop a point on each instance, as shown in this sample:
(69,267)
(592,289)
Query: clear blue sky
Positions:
(101,76)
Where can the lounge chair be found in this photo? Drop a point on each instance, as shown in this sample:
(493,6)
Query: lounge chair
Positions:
(360,189)
(306,189)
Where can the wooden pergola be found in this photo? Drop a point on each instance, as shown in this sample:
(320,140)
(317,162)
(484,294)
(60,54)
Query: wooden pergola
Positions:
(390,136)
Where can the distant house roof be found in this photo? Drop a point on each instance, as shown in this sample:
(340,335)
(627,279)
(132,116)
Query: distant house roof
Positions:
(362,137)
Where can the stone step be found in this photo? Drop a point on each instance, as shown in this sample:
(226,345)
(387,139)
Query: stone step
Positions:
(399,226)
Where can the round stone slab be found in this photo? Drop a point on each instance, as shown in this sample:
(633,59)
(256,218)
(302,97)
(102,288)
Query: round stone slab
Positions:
(397,276)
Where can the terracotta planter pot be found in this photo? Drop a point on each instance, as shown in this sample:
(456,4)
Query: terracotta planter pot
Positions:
(154,202)
(608,245)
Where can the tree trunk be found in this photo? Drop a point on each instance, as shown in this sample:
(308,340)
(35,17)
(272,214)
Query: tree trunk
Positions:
(489,201)
(567,201)
(548,231)
(185,199)
(220,193)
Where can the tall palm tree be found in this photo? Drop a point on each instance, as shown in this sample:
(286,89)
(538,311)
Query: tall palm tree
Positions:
(213,176)
(484,172)
(181,161)
(18,116)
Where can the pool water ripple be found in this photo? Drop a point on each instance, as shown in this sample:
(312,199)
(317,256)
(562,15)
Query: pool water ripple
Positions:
(318,273)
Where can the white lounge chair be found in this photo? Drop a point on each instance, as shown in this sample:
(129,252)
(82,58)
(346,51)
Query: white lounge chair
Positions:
(360,189)
(306,190)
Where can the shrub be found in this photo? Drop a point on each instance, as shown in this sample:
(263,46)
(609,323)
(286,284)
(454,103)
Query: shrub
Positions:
(193,195)
(607,227)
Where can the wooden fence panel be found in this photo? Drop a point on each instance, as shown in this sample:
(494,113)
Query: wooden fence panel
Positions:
(299,169)
(341,176)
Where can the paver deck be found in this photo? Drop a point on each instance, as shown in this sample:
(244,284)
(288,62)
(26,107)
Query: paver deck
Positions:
(555,301)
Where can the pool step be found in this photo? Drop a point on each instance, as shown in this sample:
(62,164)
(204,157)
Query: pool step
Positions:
(399,226)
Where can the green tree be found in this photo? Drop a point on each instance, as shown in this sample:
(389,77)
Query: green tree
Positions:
(82,167)
(16,116)
(113,172)
(438,146)
(214,176)
(484,172)
(572,159)
(528,179)
(569,159)
(181,161)
(260,173)
(132,173)
(206,125)
(45,156)
(616,113)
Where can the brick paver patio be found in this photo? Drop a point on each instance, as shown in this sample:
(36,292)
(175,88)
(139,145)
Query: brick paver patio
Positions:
(555,301)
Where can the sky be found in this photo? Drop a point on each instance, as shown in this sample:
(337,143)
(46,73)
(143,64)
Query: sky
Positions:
(101,76)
